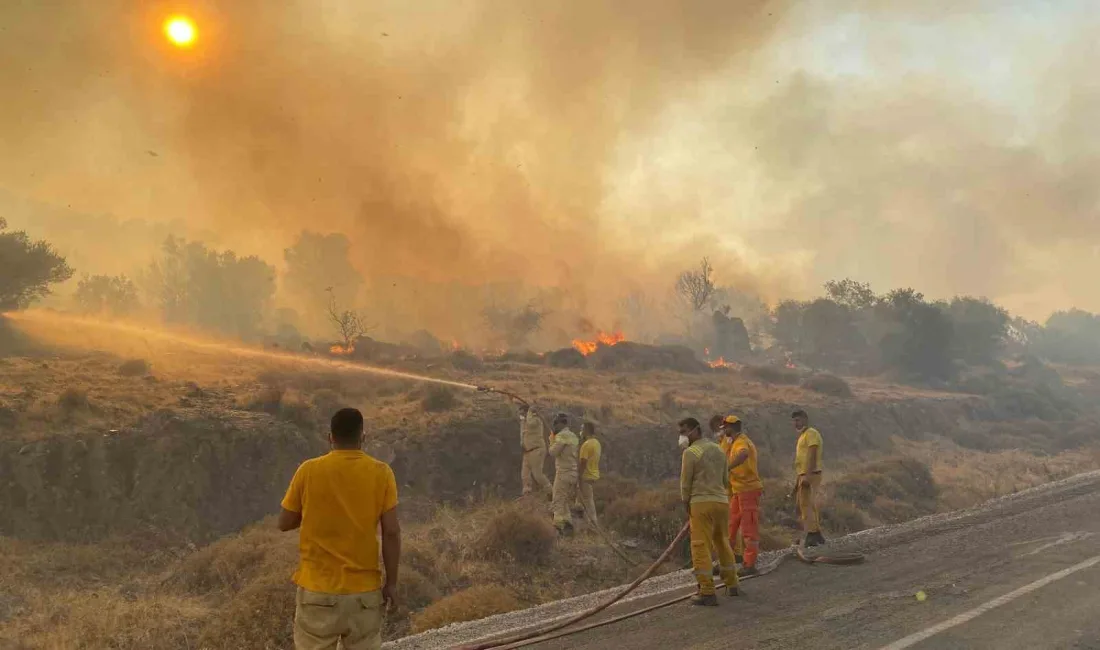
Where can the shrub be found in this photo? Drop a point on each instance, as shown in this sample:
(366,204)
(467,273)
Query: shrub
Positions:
(566,358)
(771,375)
(903,480)
(467,605)
(438,399)
(828,385)
(266,400)
(843,518)
(774,538)
(521,534)
(73,399)
(134,368)
(653,515)
(464,361)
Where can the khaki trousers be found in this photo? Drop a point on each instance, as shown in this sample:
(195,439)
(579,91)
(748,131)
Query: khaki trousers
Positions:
(565,493)
(532,473)
(809,489)
(710,524)
(587,500)
(327,621)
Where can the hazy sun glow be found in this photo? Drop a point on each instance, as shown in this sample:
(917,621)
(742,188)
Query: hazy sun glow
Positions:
(180,30)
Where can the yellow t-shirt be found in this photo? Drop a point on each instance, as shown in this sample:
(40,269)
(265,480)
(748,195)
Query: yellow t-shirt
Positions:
(809,439)
(744,477)
(342,496)
(590,452)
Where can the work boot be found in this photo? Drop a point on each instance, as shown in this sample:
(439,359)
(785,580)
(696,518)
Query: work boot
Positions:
(715,569)
(815,539)
(739,559)
(748,572)
(705,601)
(732,592)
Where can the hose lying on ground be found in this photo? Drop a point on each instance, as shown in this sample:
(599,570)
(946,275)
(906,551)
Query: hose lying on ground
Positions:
(497,643)
(557,631)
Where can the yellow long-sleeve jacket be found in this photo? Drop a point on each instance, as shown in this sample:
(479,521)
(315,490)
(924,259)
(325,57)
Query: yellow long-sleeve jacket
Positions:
(703,475)
(530,435)
(564,450)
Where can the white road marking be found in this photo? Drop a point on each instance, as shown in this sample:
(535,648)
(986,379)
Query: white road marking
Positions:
(965,617)
(1064,539)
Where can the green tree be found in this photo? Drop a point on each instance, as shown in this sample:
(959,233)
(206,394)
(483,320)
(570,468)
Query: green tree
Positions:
(215,291)
(980,328)
(318,269)
(27,268)
(851,294)
(106,294)
(1071,337)
(918,335)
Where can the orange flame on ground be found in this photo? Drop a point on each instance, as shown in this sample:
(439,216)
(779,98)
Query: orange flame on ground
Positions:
(455,345)
(341,350)
(602,338)
(722,363)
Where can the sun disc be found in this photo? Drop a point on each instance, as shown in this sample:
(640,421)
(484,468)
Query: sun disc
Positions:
(180,31)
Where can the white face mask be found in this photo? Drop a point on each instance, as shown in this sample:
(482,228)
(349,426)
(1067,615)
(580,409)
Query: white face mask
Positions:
(684,442)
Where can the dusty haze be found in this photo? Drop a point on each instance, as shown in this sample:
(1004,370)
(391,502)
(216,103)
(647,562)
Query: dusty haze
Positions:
(592,148)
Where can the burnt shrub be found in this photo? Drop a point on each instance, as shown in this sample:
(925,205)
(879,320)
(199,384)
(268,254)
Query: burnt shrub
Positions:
(566,358)
(771,375)
(438,399)
(134,368)
(651,515)
(463,361)
(828,385)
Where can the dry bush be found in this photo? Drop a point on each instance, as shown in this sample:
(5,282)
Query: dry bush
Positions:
(902,479)
(233,562)
(259,616)
(134,368)
(651,515)
(566,358)
(266,400)
(842,518)
(438,399)
(774,538)
(463,361)
(297,408)
(106,618)
(771,375)
(828,385)
(520,534)
(73,399)
(470,604)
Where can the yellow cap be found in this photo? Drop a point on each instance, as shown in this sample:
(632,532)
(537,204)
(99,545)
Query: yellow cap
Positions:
(731,419)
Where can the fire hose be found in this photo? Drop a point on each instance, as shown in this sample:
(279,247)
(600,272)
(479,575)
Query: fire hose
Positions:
(558,630)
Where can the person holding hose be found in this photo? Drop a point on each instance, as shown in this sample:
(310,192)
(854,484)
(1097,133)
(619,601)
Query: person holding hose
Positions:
(533,444)
(745,491)
(704,485)
(339,500)
(808,467)
(563,447)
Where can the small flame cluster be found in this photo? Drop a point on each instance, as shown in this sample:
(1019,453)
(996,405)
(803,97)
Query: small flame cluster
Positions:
(720,362)
(342,351)
(602,338)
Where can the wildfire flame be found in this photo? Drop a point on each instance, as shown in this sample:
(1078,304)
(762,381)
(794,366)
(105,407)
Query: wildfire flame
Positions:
(341,350)
(455,345)
(722,363)
(602,338)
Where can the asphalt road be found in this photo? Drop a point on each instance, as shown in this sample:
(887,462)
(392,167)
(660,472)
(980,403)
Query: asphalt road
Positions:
(1022,573)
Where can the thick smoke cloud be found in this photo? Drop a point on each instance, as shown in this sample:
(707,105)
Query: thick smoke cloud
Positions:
(471,149)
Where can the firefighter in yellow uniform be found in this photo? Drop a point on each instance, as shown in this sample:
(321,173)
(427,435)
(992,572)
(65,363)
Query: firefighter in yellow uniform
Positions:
(808,467)
(534,451)
(746,488)
(724,442)
(563,447)
(704,486)
(590,453)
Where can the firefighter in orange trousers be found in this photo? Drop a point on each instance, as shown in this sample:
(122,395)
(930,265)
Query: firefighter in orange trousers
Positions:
(704,484)
(724,441)
(745,491)
(808,467)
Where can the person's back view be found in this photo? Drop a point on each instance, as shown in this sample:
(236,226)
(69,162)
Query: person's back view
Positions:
(339,500)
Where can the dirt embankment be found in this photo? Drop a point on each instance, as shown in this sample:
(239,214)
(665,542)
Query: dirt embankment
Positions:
(201,477)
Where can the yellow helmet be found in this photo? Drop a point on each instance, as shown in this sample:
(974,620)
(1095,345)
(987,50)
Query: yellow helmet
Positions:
(731,419)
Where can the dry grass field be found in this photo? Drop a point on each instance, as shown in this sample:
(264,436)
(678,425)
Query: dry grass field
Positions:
(142,467)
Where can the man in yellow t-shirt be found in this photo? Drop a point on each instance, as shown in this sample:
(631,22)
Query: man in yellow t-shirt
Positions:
(589,470)
(339,500)
(746,489)
(808,467)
